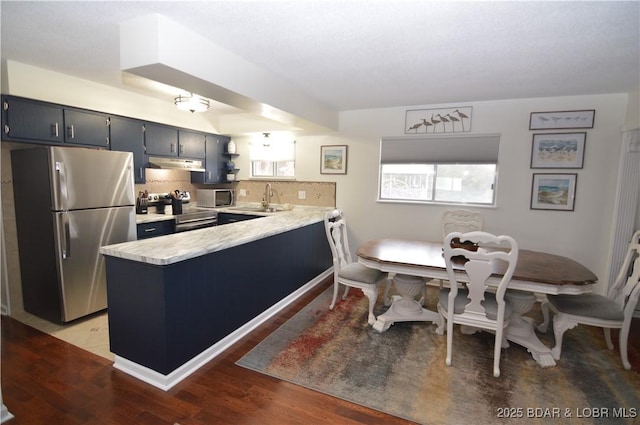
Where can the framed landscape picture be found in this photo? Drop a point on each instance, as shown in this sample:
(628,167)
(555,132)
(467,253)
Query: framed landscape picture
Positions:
(333,159)
(558,150)
(561,119)
(553,192)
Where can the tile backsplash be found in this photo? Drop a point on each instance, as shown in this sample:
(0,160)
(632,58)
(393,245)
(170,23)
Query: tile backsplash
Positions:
(165,181)
(318,194)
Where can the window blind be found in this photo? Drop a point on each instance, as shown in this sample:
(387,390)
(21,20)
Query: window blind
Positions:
(477,148)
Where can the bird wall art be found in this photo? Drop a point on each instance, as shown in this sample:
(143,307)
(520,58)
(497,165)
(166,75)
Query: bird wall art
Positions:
(449,120)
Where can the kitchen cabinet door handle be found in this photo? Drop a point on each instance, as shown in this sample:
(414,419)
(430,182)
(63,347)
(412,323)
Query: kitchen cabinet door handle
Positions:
(173,148)
(71,132)
(54,129)
(150,229)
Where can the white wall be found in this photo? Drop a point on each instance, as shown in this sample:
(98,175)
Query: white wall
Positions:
(582,234)
(633,122)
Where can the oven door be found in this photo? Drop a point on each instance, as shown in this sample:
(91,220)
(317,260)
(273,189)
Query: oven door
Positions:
(195,220)
(196,224)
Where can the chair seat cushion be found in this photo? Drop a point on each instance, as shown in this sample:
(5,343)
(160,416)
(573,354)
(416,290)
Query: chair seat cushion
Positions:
(360,273)
(462,299)
(590,305)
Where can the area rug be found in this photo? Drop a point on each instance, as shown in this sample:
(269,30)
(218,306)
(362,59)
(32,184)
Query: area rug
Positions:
(402,371)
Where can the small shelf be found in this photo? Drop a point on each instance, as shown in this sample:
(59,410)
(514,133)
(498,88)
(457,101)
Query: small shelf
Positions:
(226,171)
(234,172)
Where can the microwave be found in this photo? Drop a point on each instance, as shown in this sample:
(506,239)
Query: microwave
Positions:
(215,198)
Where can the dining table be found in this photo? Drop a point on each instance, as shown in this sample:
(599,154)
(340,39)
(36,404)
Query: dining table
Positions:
(537,274)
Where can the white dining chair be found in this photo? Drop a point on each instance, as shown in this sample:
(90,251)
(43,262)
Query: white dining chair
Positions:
(349,273)
(461,220)
(473,304)
(613,311)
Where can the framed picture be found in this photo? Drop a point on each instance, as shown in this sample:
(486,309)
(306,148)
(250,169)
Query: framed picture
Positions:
(553,192)
(456,119)
(562,119)
(558,150)
(333,159)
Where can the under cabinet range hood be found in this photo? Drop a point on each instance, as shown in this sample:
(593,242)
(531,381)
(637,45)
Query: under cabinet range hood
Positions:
(176,164)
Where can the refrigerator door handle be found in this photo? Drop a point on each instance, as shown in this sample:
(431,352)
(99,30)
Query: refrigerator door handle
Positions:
(66,238)
(62,184)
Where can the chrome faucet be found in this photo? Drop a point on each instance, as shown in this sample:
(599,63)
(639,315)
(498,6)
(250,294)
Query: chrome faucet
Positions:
(266,199)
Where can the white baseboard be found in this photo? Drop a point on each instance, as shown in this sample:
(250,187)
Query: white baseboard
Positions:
(166,382)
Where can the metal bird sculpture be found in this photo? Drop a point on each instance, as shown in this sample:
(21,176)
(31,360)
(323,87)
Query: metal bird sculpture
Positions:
(415,127)
(444,120)
(426,124)
(453,121)
(434,121)
(462,117)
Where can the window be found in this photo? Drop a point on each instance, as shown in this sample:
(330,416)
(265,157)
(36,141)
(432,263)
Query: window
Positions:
(272,158)
(445,169)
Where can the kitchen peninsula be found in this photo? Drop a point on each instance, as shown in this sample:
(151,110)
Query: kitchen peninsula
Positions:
(176,301)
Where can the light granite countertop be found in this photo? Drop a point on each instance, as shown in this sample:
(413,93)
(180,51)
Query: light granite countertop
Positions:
(169,249)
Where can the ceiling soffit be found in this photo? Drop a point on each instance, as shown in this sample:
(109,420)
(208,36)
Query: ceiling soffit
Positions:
(159,49)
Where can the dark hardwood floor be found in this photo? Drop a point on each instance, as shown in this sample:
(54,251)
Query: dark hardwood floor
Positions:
(47,381)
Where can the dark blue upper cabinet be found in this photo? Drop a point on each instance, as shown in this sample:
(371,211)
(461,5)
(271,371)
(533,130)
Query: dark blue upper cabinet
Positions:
(161,139)
(42,122)
(213,162)
(127,135)
(164,140)
(27,120)
(86,128)
(191,144)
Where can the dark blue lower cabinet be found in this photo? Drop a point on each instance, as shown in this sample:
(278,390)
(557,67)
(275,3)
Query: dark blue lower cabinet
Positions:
(161,317)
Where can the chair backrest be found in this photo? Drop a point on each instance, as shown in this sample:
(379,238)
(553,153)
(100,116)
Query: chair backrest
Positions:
(335,226)
(460,220)
(626,288)
(476,267)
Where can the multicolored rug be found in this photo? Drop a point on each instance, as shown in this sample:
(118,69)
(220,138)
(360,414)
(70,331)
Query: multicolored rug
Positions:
(402,371)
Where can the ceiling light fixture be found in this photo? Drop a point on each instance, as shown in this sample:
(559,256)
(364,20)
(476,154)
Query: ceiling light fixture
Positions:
(191,102)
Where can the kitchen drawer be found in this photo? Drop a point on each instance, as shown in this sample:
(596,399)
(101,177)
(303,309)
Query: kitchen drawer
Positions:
(156,228)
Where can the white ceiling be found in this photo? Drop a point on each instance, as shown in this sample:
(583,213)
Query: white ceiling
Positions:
(349,54)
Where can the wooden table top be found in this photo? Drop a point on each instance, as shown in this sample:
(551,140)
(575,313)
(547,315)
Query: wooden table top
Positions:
(532,266)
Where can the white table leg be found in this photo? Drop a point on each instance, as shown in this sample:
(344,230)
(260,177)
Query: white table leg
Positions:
(521,330)
(405,308)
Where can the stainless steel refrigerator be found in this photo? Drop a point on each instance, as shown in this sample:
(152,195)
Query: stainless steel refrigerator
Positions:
(69,202)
